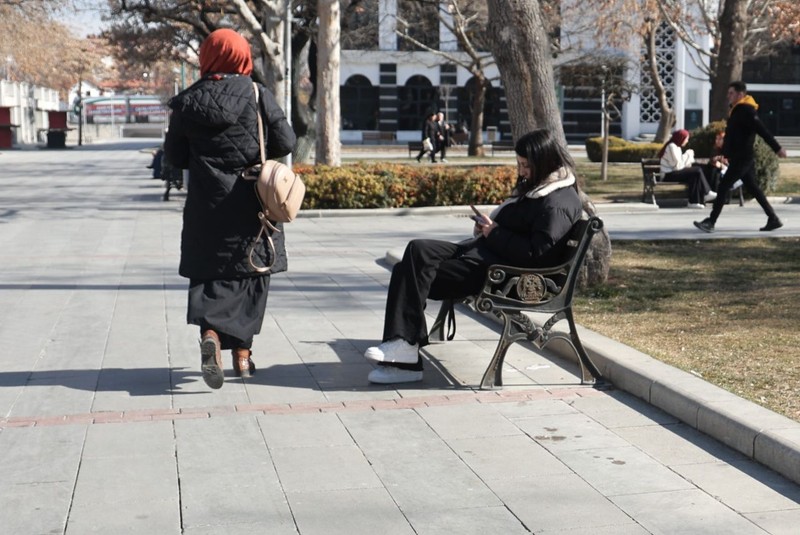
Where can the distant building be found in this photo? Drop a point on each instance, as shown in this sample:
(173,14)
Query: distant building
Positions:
(388,85)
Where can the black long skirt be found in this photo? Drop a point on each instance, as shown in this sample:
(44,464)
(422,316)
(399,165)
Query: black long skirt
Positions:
(233,308)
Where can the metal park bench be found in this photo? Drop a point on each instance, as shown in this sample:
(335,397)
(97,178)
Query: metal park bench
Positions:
(651,176)
(509,292)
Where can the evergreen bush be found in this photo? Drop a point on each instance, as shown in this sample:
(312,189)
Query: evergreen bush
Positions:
(620,150)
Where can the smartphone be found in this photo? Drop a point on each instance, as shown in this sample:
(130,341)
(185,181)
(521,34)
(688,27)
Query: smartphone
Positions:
(478,217)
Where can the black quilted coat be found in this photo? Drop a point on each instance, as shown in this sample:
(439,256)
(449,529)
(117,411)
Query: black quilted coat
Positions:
(213,132)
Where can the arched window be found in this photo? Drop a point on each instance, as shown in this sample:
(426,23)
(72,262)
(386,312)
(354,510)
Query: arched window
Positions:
(415,100)
(358,100)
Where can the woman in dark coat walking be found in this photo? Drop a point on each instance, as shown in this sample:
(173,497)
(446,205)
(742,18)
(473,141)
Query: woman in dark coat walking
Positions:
(529,229)
(213,132)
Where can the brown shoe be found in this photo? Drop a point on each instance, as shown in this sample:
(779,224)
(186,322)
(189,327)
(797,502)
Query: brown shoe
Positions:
(211,360)
(242,363)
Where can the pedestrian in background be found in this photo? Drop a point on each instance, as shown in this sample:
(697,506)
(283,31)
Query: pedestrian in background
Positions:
(676,166)
(442,136)
(213,132)
(429,131)
(737,148)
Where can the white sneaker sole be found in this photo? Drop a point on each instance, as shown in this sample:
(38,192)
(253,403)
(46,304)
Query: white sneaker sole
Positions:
(386,375)
(376,355)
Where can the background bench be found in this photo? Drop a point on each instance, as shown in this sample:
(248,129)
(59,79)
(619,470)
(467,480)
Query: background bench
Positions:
(414,148)
(509,292)
(651,175)
(502,146)
(377,136)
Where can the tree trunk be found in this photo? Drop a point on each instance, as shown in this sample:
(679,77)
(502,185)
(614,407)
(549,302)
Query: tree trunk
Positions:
(522,51)
(521,48)
(328,110)
(304,118)
(732,28)
(667,120)
(475,147)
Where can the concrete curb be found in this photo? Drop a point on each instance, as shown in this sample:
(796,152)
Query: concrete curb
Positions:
(759,433)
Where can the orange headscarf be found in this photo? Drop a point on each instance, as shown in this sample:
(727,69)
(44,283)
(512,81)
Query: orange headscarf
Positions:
(225,51)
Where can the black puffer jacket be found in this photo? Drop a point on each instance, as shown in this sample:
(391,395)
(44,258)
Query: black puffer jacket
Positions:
(531,231)
(213,132)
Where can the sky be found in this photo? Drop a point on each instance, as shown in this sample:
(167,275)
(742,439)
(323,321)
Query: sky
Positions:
(87,18)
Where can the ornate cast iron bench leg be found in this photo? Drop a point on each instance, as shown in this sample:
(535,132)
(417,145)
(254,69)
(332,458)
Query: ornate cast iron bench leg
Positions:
(512,332)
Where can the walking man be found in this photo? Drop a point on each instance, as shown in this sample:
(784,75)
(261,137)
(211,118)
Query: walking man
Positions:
(737,149)
(442,136)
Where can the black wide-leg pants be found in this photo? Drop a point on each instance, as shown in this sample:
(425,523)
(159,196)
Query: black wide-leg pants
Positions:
(747,173)
(430,269)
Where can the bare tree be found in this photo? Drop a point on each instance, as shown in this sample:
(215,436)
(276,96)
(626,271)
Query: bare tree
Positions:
(739,30)
(465,20)
(38,49)
(521,48)
(328,59)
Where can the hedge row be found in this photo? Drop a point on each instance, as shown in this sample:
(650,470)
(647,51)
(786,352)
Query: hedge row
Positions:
(381,185)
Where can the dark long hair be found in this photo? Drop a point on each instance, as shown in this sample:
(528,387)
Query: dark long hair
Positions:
(545,154)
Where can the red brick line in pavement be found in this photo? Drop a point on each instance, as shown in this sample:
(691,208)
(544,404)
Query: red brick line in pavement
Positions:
(153,415)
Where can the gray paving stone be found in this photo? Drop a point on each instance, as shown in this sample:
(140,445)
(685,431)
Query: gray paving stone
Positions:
(625,470)
(569,432)
(549,503)
(473,420)
(744,486)
(686,512)
(507,457)
(348,512)
(535,408)
(315,468)
(41,454)
(146,439)
(429,476)
(619,410)
(678,444)
(245,527)
(302,430)
(126,495)
(475,520)
(35,507)
(777,522)
(387,430)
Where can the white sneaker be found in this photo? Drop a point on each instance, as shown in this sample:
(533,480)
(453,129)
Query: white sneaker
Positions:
(397,350)
(384,375)
(737,184)
(445,161)
(710,196)
(695,206)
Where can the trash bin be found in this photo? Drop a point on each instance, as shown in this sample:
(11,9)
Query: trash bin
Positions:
(491,134)
(56,139)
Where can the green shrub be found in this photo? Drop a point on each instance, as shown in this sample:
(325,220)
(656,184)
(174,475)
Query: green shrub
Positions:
(380,185)
(620,150)
(767,165)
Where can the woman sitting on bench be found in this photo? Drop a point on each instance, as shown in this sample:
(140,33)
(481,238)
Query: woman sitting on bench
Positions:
(676,166)
(529,229)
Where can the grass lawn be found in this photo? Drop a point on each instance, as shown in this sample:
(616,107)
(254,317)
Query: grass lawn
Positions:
(692,305)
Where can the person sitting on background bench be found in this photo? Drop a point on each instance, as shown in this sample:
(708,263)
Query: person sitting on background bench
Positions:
(676,166)
(529,229)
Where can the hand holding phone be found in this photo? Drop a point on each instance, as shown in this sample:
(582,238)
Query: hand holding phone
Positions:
(478,217)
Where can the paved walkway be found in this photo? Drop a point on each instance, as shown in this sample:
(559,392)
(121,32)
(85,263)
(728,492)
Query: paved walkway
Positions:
(107,427)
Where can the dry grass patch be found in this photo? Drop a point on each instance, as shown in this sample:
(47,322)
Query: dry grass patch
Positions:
(726,310)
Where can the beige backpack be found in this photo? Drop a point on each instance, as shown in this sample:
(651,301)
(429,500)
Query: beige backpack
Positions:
(279,191)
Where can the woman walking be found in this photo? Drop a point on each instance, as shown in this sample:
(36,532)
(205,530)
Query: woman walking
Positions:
(213,132)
